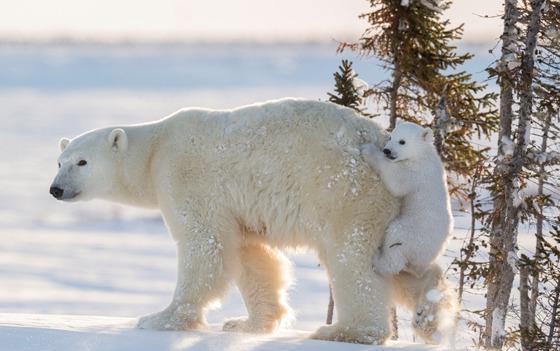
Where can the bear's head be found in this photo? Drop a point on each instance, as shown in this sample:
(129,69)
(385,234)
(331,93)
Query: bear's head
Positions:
(409,141)
(88,165)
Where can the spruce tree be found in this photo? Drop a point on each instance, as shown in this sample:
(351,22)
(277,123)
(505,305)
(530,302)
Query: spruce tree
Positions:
(348,89)
(414,42)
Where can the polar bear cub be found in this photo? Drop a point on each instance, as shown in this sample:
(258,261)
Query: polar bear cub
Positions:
(412,170)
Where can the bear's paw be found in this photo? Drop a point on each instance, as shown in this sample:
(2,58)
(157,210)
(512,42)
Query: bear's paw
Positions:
(337,332)
(245,325)
(170,319)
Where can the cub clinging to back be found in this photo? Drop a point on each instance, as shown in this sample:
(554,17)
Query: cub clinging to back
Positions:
(411,169)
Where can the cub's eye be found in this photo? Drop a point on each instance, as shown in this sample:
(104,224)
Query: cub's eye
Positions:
(82,163)
(59,165)
(402,142)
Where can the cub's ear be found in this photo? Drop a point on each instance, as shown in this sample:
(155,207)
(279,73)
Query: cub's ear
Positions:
(63,143)
(118,140)
(428,134)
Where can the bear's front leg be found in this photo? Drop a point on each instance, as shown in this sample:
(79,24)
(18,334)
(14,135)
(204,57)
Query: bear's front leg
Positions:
(201,279)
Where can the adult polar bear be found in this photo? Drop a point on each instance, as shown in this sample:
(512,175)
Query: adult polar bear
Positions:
(235,186)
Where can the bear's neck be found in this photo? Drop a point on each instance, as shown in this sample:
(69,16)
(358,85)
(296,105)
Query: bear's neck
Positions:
(134,184)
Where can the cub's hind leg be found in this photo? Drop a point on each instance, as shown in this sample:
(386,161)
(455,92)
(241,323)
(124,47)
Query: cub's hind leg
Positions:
(429,299)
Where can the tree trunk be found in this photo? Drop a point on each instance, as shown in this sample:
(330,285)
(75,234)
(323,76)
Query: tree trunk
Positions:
(330,310)
(397,76)
(441,122)
(499,289)
(524,323)
(528,319)
(394,323)
(397,73)
(509,38)
(470,245)
(554,313)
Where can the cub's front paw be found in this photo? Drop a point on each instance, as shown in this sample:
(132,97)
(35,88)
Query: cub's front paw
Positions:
(370,152)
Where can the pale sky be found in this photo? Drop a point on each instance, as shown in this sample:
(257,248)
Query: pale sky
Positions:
(213,19)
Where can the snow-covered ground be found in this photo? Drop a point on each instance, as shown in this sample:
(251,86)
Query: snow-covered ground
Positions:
(101,259)
(63,332)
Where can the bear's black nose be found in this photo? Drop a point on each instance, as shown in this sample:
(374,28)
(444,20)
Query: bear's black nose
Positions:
(56,192)
(386,151)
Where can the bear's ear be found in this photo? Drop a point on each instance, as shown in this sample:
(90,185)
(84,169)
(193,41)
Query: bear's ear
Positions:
(118,140)
(428,135)
(63,143)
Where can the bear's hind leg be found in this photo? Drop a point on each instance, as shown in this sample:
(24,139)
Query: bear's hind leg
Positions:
(361,296)
(263,280)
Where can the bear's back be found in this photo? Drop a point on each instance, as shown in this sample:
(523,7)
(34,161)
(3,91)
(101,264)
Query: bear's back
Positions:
(281,119)
(298,158)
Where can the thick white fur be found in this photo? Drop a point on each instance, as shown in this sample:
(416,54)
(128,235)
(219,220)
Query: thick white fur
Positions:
(412,170)
(234,186)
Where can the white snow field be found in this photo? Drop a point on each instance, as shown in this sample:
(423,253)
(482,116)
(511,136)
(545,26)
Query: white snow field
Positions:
(75,276)
(64,332)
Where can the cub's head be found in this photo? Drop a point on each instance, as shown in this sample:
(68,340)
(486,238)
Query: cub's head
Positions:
(408,141)
(87,166)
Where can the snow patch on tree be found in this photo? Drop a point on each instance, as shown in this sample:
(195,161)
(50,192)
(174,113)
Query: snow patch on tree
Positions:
(553,33)
(517,195)
(498,320)
(433,5)
(512,260)
(359,84)
(507,146)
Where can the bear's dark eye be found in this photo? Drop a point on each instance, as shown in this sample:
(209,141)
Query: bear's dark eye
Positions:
(82,163)
(402,142)
(59,165)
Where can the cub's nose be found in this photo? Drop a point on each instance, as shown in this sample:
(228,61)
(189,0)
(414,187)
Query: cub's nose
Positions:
(387,152)
(56,192)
